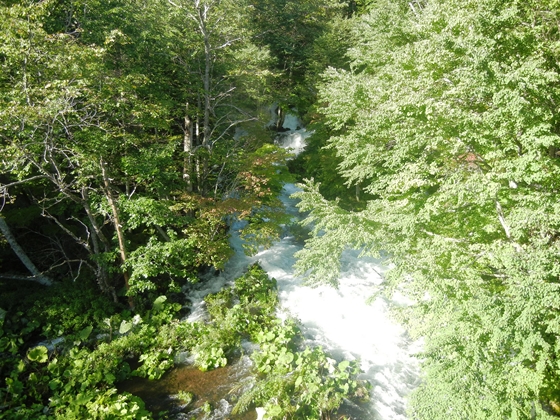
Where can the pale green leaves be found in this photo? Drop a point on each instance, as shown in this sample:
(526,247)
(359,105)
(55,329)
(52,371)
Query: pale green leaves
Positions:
(125,327)
(38,354)
(448,120)
(84,334)
(159,302)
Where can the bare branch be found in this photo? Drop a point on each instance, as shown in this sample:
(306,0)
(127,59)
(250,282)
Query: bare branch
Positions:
(227,43)
(23,181)
(79,240)
(162,233)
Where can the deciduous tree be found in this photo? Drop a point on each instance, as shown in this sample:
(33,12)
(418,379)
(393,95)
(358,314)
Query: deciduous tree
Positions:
(448,119)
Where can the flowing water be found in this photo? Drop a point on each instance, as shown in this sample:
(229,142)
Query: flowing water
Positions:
(340,320)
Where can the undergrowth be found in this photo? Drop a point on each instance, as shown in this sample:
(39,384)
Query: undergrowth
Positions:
(76,378)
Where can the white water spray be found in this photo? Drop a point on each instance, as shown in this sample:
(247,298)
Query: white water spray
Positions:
(293,139)
(340,320)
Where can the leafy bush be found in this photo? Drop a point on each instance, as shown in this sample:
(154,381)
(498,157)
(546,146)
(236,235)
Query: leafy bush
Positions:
(65,309)
(290,381)
(79,380)
(299,384)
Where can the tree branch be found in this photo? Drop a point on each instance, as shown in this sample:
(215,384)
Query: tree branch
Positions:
(18,250)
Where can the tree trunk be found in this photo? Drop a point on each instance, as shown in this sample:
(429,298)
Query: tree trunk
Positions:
(118,226)
(207,94)
(207,75)
(37,276)
(96,236)
(187,150)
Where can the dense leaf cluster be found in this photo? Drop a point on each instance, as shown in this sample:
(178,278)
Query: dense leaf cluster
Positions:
(448,120)
(129,132)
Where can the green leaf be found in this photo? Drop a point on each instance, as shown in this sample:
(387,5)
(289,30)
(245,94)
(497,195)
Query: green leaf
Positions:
(54,384)
(342,366)
(273,411)
(125,327)
(84,334)
(38,354)
(14,386)
(109,378)
(158,303)
(82,399)
(286,358)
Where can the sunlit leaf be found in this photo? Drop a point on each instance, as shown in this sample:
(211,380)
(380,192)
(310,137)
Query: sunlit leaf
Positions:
(38,354)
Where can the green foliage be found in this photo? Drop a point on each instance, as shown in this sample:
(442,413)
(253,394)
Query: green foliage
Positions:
(84,334)
(303,383)
(262,180)
(120,163)
(38,354)
(299,384)
(185,397)
(98,103)
(255,287)
(447,121)
(209,356)
(218,304)
(320,163)
(264,227)
(257,297)
(66,309)
(78,377)
(288,29)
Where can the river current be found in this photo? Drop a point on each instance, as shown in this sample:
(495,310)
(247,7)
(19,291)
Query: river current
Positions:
(339,319)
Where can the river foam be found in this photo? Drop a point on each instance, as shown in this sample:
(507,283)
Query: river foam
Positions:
(339,319)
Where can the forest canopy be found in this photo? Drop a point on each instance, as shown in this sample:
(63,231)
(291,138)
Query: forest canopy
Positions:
(132,132)
(446,122)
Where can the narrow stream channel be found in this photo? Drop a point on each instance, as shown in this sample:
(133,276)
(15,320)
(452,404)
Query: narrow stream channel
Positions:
(340,320)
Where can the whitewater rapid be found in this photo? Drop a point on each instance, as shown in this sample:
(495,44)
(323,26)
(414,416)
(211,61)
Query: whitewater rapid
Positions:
(341,321)
(338,319)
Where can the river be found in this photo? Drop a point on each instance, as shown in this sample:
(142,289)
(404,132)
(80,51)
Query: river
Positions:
(340,320)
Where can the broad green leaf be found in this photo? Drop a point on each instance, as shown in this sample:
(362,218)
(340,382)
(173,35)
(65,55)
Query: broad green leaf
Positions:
(55,384)
(126,326)
(342,366)
(14,386)
(38,354)
(286,358)
(84,334)
(159,302)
